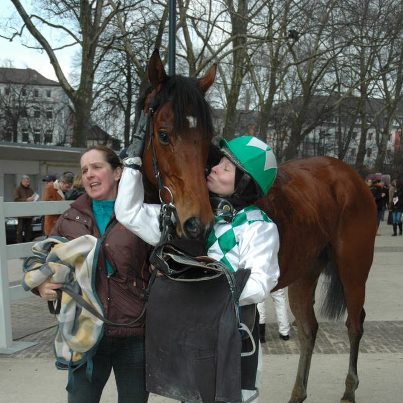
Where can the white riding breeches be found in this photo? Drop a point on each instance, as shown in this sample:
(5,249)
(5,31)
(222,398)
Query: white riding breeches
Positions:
(280,301)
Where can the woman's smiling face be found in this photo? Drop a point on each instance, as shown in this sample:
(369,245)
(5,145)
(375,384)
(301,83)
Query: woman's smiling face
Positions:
(99,179)
(221,179)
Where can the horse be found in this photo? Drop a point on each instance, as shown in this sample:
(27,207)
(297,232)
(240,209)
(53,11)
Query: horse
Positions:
(177,145)
(325,213)
(326,218)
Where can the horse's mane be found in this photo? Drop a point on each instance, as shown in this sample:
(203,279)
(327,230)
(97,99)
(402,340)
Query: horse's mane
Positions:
(187,100)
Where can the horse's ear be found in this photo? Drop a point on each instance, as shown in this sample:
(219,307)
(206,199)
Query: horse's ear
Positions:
(206,82)
(156,71)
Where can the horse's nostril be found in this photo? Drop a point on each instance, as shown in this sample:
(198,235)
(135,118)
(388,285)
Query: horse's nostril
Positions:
(193,228)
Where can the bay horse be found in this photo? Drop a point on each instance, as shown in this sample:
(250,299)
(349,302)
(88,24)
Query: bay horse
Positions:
(325,213)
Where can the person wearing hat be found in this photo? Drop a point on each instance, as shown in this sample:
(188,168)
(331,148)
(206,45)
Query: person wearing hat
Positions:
(242,237)
(55,191)
(49,178)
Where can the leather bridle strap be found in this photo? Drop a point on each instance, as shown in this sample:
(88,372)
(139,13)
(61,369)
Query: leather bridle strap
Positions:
(167,209)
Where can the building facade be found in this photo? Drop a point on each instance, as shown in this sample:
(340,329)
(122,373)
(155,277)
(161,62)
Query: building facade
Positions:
(33,109)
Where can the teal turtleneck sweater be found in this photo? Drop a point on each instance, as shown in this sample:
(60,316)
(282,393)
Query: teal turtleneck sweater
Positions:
(103,212)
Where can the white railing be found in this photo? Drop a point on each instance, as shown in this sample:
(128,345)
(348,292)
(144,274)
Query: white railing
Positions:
(7,252)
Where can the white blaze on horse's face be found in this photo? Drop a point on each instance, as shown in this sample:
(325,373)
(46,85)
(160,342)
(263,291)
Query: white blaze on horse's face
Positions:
(192,121)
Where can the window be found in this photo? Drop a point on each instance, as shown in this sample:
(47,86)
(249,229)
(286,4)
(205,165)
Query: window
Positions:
(36,93)
(37,135)
(7,91)
(24,112)
(25,135)
(353,152)
(48,136)
(354,136)
(49,113)
(48,93)
(37,112)
(24,92)
(369,152)
(370,136)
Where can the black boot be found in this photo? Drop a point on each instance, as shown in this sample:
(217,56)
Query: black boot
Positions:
(394,230)
(262,333)
(400,228)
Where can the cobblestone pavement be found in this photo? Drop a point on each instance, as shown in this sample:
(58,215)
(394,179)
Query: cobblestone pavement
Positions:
(32,322)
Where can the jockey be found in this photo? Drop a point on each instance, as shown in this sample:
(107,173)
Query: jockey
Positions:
(242,237)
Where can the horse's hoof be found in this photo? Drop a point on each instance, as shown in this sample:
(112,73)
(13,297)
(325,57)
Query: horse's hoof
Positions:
(297,400)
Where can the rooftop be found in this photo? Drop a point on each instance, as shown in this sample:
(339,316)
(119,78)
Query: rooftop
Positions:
(24,76)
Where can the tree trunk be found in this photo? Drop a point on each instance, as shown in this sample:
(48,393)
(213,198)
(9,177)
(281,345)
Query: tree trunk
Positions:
(81,123)
(239,30)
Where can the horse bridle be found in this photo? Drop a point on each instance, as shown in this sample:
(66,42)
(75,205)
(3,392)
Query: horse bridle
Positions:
(167,226)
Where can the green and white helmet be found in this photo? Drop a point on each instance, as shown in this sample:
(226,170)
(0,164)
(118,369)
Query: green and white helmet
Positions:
(254,157)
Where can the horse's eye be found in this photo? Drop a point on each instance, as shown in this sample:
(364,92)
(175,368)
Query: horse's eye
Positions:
(163,137)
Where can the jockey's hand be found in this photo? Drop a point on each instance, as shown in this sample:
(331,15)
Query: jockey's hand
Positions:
(135,149)
(47,290)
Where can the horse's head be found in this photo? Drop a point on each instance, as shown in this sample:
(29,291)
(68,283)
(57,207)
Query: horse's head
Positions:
(177,145)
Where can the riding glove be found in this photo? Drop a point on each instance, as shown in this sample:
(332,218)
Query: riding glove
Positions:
(135,149)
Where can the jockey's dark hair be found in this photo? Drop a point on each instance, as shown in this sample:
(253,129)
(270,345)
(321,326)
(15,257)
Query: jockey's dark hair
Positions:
(110,156)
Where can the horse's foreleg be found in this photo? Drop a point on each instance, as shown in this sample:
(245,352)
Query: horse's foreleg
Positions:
(301,303)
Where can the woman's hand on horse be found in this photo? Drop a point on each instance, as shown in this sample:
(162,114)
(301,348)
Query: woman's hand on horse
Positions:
(47,290)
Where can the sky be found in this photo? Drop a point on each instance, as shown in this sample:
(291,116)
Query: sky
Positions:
(23,57)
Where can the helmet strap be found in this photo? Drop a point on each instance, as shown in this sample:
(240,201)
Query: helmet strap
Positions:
(242,184)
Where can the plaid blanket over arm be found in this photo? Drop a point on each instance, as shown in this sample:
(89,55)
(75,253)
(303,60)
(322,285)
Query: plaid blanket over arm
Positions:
(73,264)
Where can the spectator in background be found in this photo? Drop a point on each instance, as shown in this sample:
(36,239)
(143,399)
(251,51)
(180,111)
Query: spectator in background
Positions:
(392,189)
(24,193)
(49,178)
(396,206)
(76,190)
(54,191)
(381,199)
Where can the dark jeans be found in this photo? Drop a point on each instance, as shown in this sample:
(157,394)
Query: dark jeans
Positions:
(397,217)
(126,356)
(24,229)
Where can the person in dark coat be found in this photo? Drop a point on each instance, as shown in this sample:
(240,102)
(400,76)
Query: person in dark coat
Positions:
(76,190)
(24,193)
(381,199)
(121,278)
(396,206)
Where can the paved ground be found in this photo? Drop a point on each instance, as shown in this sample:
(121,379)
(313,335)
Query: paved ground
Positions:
(29,375)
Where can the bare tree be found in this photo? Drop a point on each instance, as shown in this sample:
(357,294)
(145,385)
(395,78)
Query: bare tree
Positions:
(390,65)
(83,24)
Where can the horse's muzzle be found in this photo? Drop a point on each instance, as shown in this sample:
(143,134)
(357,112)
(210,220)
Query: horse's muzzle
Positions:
(193,228)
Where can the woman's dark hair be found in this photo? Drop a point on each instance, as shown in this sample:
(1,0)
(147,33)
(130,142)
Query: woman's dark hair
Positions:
(110,156)
(248,193)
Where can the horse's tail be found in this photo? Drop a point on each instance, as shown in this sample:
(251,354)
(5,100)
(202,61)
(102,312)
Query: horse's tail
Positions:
(334,304)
